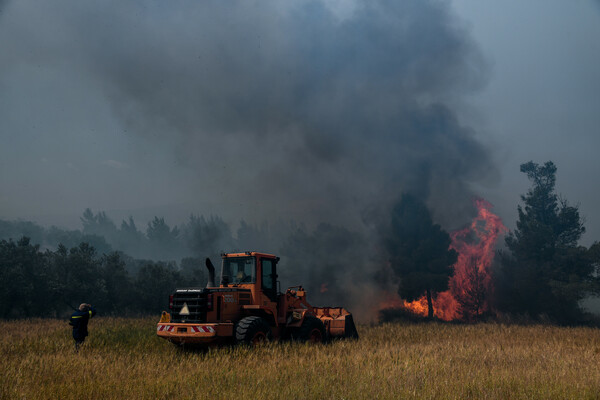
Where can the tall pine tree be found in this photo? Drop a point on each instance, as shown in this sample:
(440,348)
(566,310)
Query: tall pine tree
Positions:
(545,271)
(419,251)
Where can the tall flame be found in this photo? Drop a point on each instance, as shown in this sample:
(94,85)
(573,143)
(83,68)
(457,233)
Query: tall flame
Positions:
(470,286)
(471,283)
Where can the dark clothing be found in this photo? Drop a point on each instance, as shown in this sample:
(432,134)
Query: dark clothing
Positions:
(79,321)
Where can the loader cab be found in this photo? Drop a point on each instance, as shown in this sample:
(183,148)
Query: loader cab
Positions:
(238,270)
(253,270)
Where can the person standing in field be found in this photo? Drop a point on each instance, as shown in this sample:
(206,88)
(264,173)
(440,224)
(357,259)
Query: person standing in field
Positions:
(79,321)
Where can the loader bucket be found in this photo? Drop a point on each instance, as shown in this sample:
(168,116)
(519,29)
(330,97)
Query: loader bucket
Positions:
(338,322)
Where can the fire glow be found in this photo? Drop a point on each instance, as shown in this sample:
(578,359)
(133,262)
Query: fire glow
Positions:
(471,284)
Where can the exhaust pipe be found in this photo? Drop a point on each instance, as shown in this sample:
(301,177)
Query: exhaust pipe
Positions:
(211,273)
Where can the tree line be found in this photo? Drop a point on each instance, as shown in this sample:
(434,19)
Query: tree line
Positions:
(35,283)
(83,266)
(158,241)
(542,271)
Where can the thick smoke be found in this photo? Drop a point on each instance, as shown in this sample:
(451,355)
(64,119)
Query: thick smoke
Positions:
(294,106)
(302,109)
(313,110)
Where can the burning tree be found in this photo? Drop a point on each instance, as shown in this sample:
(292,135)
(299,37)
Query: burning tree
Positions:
(419,252)
(471,283)
(470,286)
(472,297)
(545,272)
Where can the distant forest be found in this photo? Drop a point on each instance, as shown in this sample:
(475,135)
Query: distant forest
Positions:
(156,241)
(129,271)
(543,273)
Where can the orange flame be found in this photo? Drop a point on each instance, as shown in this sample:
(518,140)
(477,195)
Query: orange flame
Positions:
(393,301)
(471,284)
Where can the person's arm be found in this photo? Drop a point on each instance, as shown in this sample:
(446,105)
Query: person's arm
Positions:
(92,310)
(74,320)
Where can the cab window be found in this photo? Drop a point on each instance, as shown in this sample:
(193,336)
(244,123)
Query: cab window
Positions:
(267,273)
(239,270)
(269,278)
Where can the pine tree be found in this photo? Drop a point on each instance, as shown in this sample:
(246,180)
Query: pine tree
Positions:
(419,251)
(545,272)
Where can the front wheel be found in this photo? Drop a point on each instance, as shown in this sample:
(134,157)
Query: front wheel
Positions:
(312,330)
(253,331)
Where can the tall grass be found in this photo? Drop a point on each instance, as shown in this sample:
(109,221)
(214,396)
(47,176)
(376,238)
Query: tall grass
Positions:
(123,358)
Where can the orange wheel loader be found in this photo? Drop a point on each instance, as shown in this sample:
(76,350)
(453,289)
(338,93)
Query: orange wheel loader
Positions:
(247,307)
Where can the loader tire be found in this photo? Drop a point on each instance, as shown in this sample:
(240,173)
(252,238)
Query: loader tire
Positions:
(252,331)
(312,330)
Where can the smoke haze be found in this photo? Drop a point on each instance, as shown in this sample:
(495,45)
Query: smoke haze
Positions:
(313,110)
(318,111)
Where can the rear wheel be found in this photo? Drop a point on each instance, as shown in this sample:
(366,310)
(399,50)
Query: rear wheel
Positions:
(312,330)
(253,331)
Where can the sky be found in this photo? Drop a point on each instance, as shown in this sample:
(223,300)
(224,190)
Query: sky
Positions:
(308,110)
(542,101)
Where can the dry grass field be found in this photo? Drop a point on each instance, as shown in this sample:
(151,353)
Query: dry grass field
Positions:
(123,359)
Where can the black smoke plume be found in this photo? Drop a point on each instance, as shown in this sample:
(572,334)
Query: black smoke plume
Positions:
(313,110)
